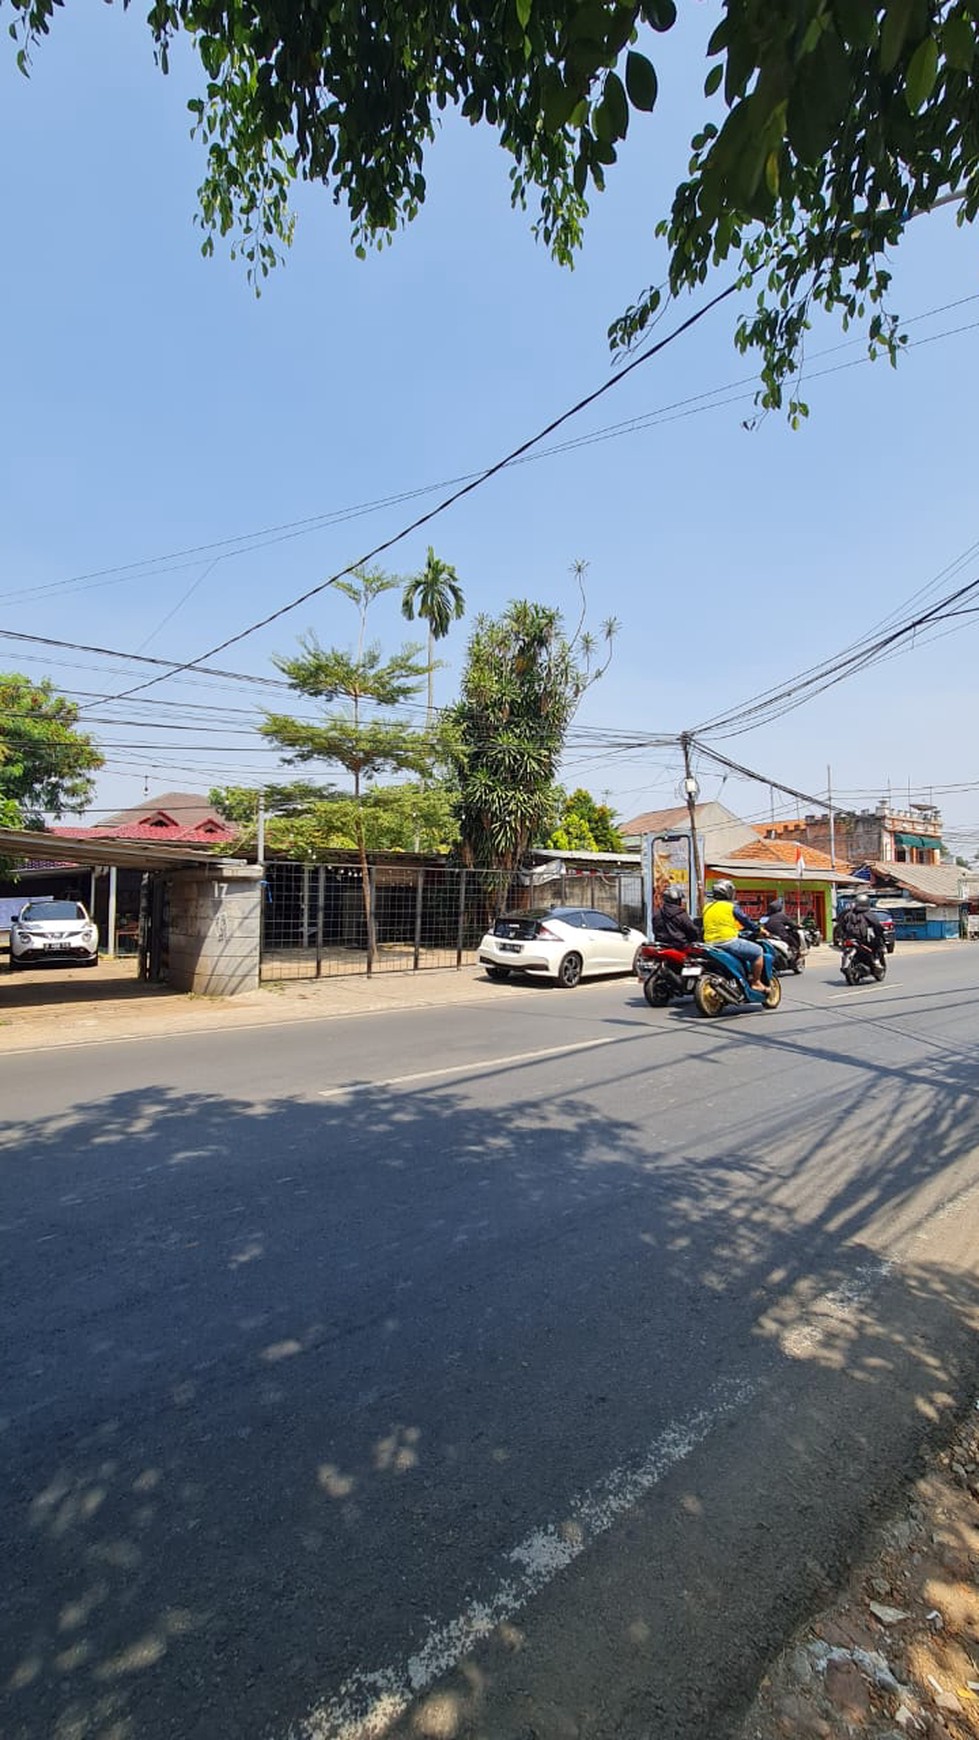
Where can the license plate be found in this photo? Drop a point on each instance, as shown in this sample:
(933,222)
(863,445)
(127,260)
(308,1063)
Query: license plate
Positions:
(510,948)
(53,945)
(690,972)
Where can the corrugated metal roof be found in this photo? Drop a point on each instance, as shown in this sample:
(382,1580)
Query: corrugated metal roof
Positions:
(22,843)
(935,884)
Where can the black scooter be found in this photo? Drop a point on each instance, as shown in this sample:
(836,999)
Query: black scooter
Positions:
(860,960)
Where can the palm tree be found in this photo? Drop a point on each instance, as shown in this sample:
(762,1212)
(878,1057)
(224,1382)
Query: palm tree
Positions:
(436,597)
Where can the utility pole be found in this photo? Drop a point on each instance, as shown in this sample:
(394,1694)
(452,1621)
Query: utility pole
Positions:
(832,818)
(692,791)
(260,832)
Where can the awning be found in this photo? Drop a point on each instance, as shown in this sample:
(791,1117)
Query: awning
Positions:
(50,849)
(927,842)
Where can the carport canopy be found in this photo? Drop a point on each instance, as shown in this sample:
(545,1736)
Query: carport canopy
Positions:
(49,849)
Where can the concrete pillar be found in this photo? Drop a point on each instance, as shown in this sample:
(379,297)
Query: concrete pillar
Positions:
(109,940)
(215,929)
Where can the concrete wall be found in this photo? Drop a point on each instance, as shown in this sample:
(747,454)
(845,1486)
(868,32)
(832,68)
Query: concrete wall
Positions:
(215,929)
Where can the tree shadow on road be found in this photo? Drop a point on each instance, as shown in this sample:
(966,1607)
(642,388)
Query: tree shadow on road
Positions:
(285,1380)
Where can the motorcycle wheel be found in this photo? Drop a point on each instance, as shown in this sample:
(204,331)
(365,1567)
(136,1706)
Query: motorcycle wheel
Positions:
(773,994)
(880,970)
(849,975)
(708,998)
(657,994)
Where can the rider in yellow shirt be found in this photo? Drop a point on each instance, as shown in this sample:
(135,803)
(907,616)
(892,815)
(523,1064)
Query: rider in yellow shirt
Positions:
(724,921)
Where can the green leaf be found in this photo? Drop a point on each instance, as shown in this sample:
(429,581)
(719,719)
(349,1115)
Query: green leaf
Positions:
(820,99)
(922,73)
(856,21)
(892,36)
(614,100)
(771,172)
(661,14)
(713,80)
(559,104)
(523,12)
(641,82)
(959,42)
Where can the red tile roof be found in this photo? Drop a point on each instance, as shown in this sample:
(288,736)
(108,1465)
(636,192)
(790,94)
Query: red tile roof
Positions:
(202,835)
(784,852)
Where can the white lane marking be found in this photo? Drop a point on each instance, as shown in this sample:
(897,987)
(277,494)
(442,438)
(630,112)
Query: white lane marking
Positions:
(354,1087)
(368,1704)
(861,990)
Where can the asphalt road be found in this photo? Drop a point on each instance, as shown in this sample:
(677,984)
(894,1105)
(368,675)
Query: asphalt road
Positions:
(518,1371)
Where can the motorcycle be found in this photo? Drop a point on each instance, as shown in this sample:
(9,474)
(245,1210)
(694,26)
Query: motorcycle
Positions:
(812,936)
(659,968)
(790,957)
(859,960)
(720,981)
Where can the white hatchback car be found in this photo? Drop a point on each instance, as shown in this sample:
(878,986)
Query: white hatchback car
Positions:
(53,932)
(566,943)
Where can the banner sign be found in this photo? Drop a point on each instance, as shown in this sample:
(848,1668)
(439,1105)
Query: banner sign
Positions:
(667,860)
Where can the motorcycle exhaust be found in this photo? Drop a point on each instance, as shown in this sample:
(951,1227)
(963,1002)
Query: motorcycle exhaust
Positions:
(724,990)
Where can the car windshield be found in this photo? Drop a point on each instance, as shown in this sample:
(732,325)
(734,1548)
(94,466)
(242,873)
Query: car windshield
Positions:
(39,911)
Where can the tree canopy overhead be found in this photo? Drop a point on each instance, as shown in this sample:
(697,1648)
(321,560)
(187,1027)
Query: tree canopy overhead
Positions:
(826,126)
(46,763)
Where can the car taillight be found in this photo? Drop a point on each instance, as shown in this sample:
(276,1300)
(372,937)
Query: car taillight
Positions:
(548,935)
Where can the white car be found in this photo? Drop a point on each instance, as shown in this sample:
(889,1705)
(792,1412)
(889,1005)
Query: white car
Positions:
(566,943)
(53,932)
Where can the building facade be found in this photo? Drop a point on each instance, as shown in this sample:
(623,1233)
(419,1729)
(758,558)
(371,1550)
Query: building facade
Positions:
(879,836)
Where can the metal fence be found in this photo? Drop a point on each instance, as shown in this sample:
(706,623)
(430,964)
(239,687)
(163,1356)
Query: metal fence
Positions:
(315,916)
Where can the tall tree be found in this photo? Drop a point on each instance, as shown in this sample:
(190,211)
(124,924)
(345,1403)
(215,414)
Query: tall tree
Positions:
(46,763)
(436,596)
(304,821)
(585,826)
(353,735)
(521,687)
(827,125)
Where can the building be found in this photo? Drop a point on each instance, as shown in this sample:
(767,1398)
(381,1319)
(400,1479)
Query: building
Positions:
(178,818)
(719,830)
(926,901)
(111,892)
(882,835)
(806,879)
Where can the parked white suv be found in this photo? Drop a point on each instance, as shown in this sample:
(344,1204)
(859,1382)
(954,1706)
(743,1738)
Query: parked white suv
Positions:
(53,932)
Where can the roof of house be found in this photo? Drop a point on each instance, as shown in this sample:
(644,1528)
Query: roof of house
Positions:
(181,809)
(89,846)
(178,818)
(934,884)
(207,832)
(721,830)
(784,852)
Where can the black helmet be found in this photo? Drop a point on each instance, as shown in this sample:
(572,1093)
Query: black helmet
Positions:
(776,905)
(862,901)
(673,894)
(723,890)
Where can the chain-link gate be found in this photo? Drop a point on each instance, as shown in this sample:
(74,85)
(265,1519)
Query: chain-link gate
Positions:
(315,916)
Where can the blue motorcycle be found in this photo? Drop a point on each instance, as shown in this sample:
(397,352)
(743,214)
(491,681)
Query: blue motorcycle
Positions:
(719,980)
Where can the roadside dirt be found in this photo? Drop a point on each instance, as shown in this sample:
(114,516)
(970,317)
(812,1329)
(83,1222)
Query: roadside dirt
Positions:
(75,1006)
(896,1655)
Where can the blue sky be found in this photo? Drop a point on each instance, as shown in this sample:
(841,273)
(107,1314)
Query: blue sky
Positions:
(153,405)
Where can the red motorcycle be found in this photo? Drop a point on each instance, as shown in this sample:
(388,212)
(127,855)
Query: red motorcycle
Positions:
(659,969)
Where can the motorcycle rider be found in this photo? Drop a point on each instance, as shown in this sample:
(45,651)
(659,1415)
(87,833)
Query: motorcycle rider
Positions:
(724,921)
(859,923)
(778,923)
(673,927)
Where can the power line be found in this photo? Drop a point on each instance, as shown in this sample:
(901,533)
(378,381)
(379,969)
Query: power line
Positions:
(245,542)
(457,495)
